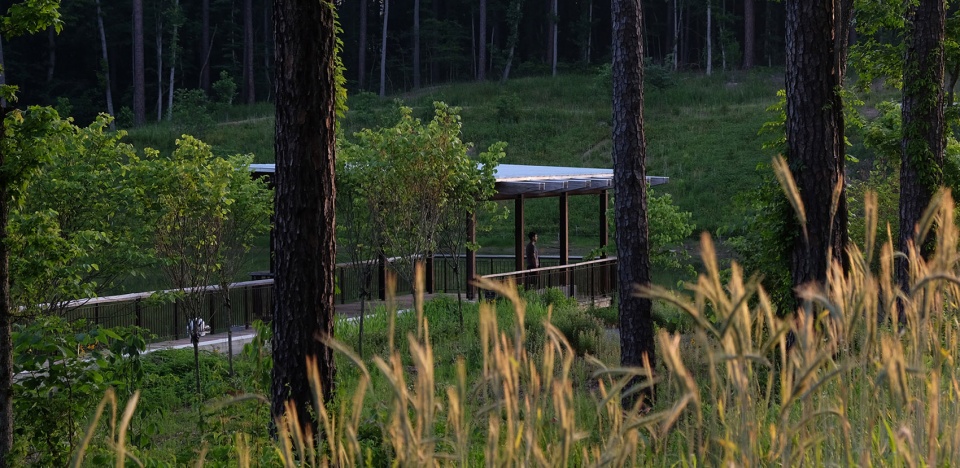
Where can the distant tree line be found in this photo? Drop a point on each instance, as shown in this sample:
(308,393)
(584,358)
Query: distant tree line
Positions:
(127,57)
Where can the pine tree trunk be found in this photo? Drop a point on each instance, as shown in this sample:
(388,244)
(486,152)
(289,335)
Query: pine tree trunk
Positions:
(924,138)
(416,44)
(139,82)
(749,23)
(249,87)
(362,52)
(105,64)
(482,42)
(159,40)
(513,18)
(383,49)
(304,202)
(814,141)
(709,38)
(553,37)
(589,31)
(205,45)
(629,178)
(173,58)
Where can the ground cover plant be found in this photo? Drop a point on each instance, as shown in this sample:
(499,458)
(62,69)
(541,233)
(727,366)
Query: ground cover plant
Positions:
(850,379)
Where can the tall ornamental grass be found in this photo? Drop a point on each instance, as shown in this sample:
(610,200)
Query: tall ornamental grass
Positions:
(863,374)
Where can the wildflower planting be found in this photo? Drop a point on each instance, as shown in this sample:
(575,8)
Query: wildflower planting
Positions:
(864,373)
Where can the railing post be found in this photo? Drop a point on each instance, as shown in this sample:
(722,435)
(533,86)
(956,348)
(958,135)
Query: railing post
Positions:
(136,308)
(343,285)
(382,276)
(212,312)
(429,274)
(246,307)
(471,256)
(176,320)
(96,313)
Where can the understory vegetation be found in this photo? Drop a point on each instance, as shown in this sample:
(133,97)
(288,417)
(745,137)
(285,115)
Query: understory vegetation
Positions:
(850,379)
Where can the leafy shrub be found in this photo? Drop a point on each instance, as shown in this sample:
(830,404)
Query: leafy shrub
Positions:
(225,89)
(62,371)
(191,112)
(507,107)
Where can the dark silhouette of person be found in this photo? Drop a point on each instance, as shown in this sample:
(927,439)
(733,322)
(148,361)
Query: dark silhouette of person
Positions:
(533,260)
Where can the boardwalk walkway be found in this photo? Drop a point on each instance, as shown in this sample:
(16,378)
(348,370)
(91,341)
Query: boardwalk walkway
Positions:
(219,342)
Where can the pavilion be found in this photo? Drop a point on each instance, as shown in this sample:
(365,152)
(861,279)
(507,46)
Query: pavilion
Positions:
(521,182)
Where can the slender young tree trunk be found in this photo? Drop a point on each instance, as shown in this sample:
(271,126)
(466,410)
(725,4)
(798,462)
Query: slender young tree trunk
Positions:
(159,27)
(362,50)
(709,38)
(629,178)
(173,57)
(139,86)
(749,23)
(305,197)
(482,56)
(205,45)
(383,49)
(474,63)
(675,51)
(51,52)
(416,44)
(814,141)
(267,50)
(589,31)
(554,16)
(105,64)
(249,87)
(924,137)
(513,19)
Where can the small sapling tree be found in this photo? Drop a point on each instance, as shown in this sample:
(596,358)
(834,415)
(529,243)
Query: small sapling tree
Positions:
(195,195)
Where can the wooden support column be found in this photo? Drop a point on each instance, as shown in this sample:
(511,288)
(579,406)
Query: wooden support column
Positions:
(604,230)
(471,256)
(565,239)
(382,276)
(518,232)
(429,274)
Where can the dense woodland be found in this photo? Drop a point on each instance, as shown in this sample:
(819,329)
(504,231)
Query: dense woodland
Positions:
(191,43)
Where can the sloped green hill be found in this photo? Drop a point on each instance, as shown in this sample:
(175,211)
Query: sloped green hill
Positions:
(701,132)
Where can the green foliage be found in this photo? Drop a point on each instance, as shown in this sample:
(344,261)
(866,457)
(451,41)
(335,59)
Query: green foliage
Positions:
(191,112)
(225,89)
(507,108)
(62,371)
(763,240)
(411,178)
(669,227)
(78,229)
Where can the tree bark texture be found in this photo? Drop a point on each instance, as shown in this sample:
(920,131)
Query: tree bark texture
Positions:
(416,44)
(105,66)
(383,49)
(814,141)
(174,39)
(249,86)
(924,140)
(749,24)
(205,45)
(139,85)
(629,176)
(482,43)
(304,202)
(362,49)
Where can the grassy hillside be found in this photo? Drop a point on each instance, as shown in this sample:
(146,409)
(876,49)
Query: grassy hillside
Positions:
(701,132)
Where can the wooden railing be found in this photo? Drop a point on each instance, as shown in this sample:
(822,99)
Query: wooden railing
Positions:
(249,300)
(586,281)
(252,300)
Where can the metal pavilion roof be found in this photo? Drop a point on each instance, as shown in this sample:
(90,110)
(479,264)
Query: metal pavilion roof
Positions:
(513,180)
